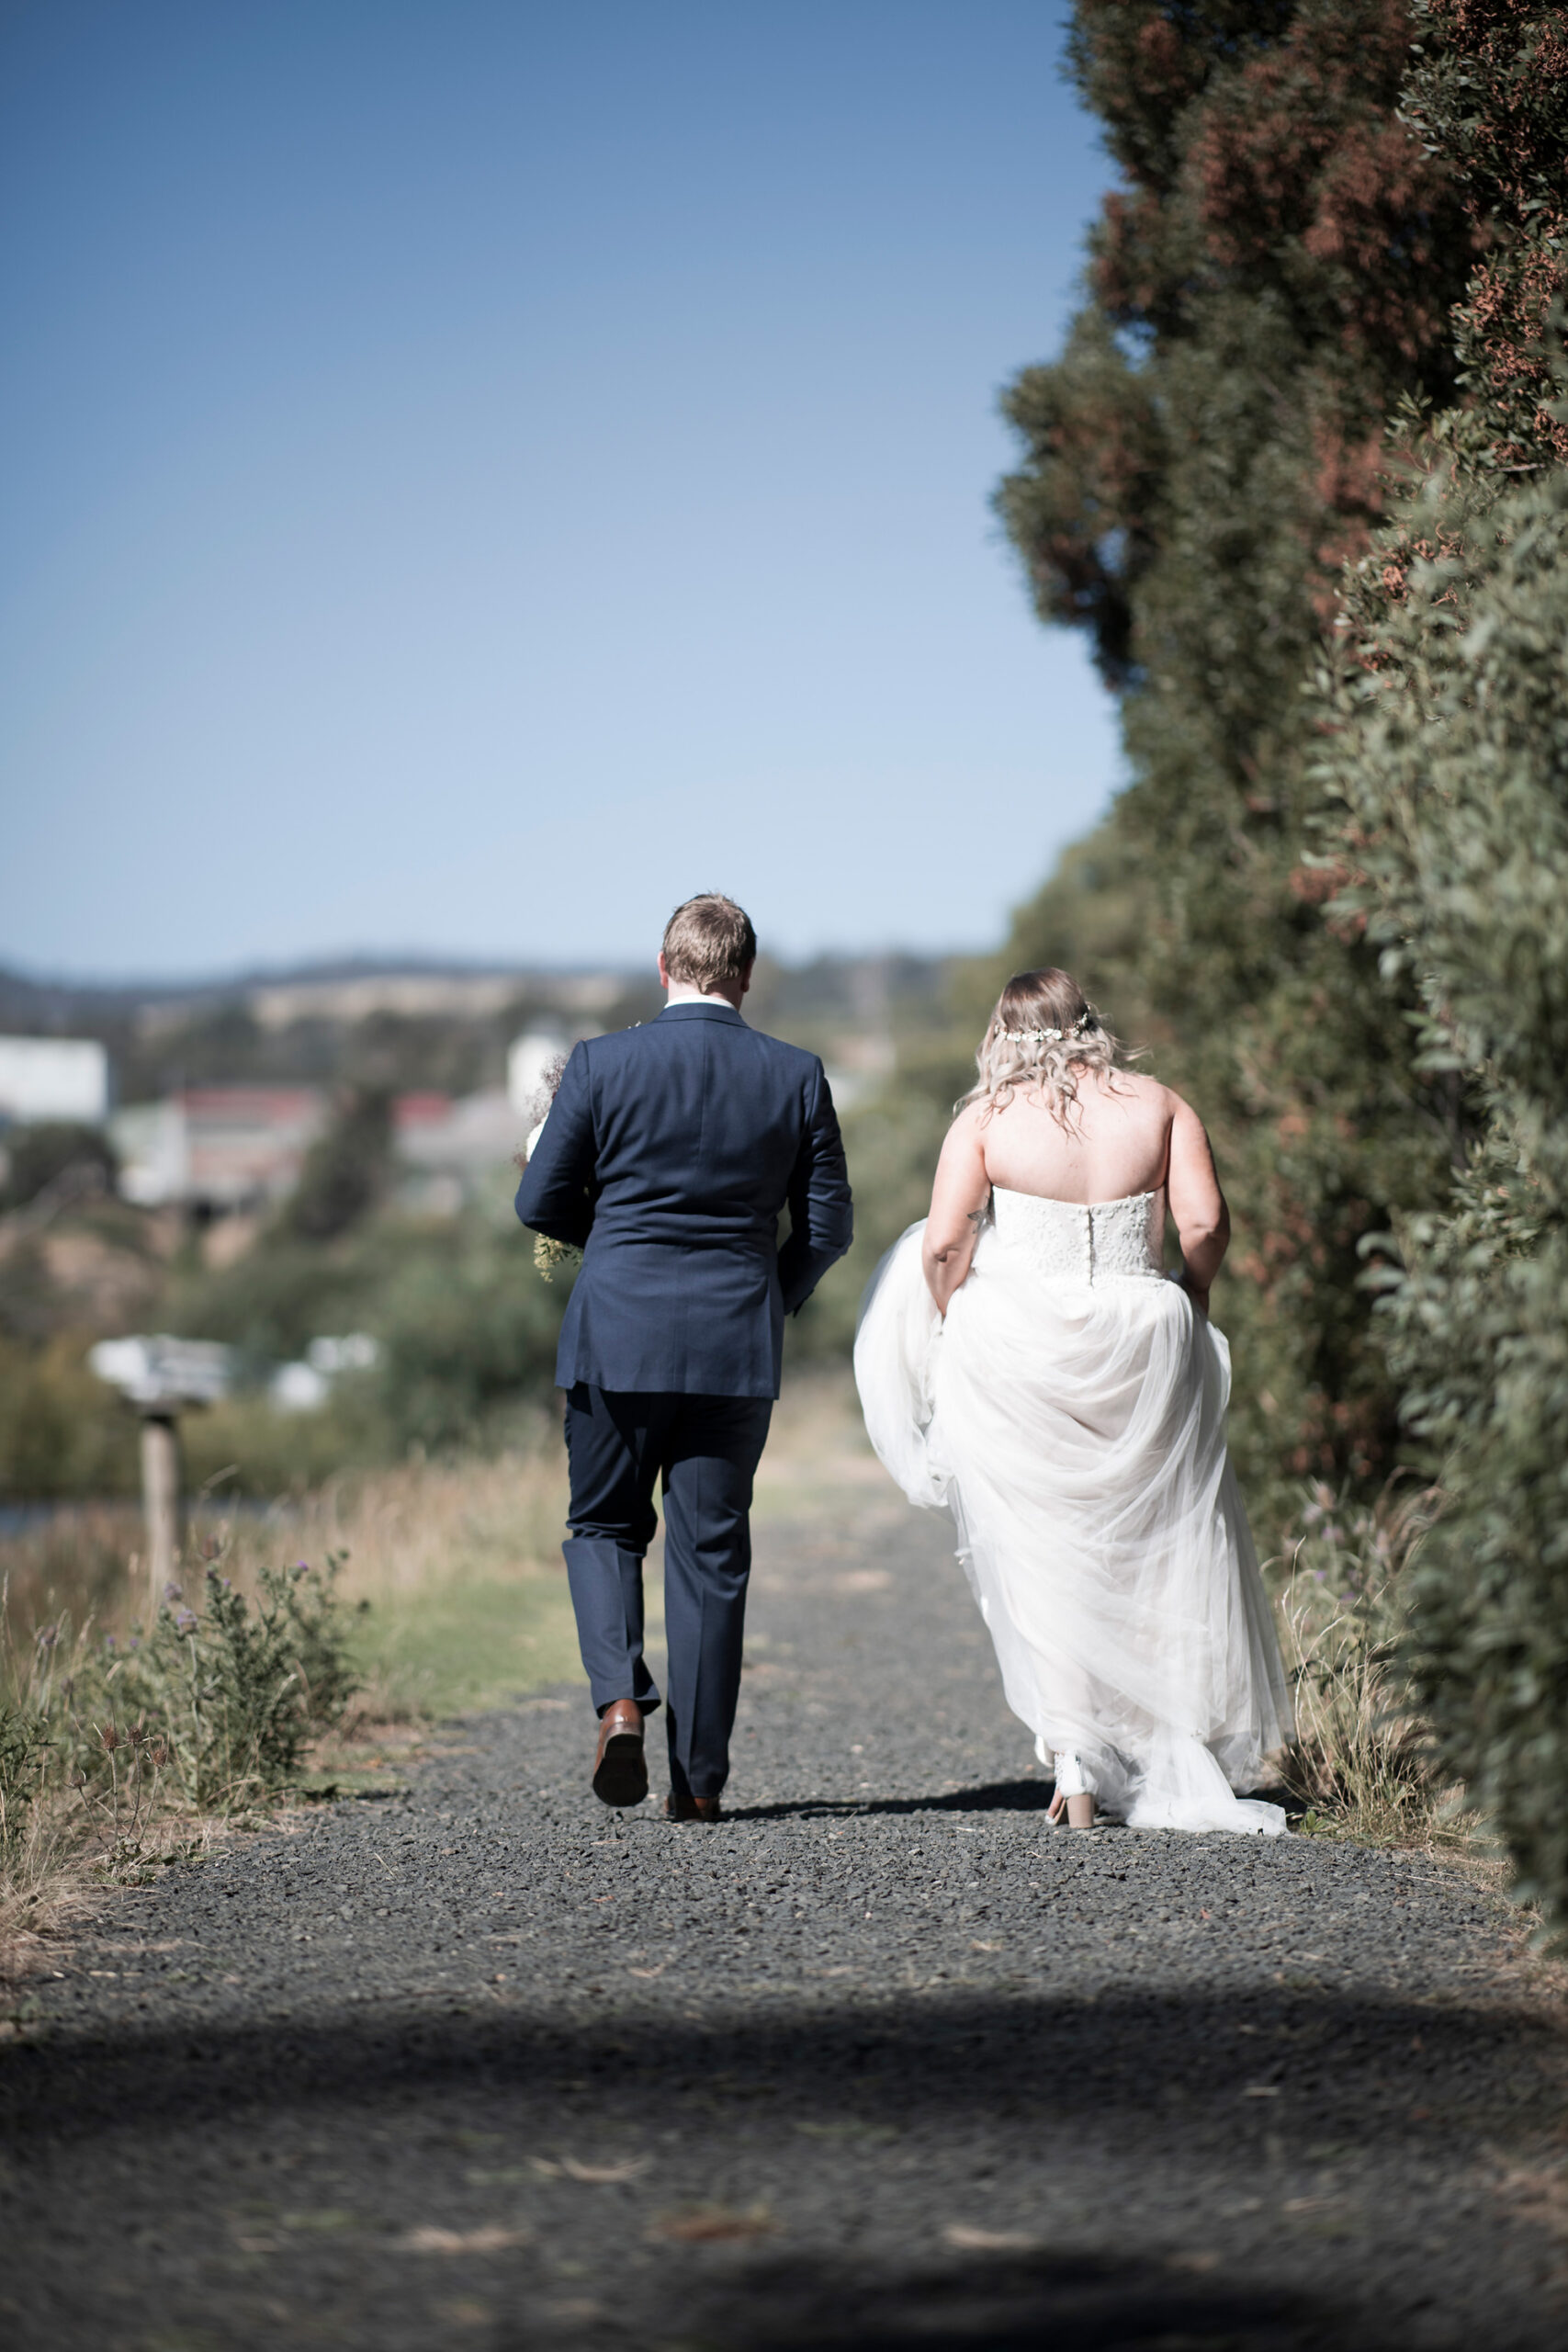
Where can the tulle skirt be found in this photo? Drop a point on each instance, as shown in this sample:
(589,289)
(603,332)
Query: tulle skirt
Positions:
(1076,1433)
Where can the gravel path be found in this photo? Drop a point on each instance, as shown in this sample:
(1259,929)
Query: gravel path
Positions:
(881,2060)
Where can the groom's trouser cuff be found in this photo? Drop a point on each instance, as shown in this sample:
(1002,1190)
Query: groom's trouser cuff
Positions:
(606,1600)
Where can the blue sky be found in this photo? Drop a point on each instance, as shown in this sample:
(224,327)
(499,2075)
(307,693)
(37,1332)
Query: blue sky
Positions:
(477,473)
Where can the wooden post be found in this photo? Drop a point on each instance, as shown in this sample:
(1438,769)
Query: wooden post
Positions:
(161,1499)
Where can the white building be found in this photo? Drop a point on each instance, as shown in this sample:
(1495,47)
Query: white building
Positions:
(217,1147)
(54,1078)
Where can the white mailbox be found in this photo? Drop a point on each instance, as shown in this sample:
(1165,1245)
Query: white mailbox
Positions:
(163,1373)
(162,1377)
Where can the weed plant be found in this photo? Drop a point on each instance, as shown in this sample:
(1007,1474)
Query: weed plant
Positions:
(24,1749)
(206,1710)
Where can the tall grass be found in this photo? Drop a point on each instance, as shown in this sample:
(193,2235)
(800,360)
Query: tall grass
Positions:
(82,1560)
(1361,1759)
(392,1532)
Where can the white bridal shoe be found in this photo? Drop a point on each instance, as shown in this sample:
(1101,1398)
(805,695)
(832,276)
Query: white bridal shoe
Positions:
(1074,1799)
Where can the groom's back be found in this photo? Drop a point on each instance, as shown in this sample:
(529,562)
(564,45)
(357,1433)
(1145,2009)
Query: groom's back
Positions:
(669,1153)
(698,1122)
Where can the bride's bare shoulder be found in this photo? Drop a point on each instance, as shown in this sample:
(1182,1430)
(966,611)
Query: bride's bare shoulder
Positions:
(1142,1089)
(1177,1107)
(1186,1129)
(968,1133)
(1149,1102)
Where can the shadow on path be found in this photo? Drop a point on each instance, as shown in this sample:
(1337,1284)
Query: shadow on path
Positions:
(990,1796)
(914,2112)
(1035,2302)
(1188,2068)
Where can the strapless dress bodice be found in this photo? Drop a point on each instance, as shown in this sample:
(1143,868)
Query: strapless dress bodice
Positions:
(1063,1242)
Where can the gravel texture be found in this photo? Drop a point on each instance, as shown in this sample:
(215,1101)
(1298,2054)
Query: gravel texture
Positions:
(882,2059)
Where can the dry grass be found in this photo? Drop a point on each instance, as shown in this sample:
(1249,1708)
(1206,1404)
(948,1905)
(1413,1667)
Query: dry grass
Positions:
(1360,1760)
(397,1533)
(41,1879)
(819,1458)
(82,1562)
(401,1531)
(59,1874)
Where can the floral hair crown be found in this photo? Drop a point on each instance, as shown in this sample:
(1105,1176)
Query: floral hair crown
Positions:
(1085,1020)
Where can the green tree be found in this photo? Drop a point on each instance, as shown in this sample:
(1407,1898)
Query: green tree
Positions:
(348,1171)
(1276,270)
(1449,761)
(73,1159)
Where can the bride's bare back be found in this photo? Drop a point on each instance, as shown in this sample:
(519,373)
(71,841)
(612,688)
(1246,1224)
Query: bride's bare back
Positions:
(1124,1133)
(1113,1141)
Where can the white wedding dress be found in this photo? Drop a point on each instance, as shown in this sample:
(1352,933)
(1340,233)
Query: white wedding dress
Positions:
(1071,1414)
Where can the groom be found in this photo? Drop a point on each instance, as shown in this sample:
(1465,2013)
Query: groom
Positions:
(669,1154)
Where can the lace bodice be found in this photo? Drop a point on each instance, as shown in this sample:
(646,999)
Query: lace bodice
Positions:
(1114,1241)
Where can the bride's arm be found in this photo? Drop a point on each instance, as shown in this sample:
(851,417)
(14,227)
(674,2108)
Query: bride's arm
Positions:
(958,1206)
(1197,1204)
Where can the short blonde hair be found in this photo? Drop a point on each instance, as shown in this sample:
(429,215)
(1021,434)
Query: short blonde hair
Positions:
(1043,1031)
(709,940)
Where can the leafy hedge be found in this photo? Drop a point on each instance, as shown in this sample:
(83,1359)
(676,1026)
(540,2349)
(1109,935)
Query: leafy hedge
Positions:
(1453,763)
(1450,761)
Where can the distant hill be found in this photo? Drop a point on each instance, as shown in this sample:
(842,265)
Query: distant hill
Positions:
(417,1022)
(33,1006)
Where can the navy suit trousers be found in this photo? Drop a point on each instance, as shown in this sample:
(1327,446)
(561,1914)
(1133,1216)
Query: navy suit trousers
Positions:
(703,1451)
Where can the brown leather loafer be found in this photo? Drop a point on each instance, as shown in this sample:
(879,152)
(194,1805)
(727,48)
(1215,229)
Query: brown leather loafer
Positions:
(620,1768)
(691,1809)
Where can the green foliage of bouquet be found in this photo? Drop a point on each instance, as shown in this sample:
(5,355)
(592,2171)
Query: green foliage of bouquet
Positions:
(550,1255)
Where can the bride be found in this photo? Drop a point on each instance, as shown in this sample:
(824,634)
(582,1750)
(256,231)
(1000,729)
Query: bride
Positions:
(1022,1357)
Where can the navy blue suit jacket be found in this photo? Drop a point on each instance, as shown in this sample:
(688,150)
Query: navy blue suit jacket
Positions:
(669,1153)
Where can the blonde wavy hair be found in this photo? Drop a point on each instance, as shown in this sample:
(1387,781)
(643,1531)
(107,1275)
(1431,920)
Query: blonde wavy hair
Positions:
(1042,1034)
